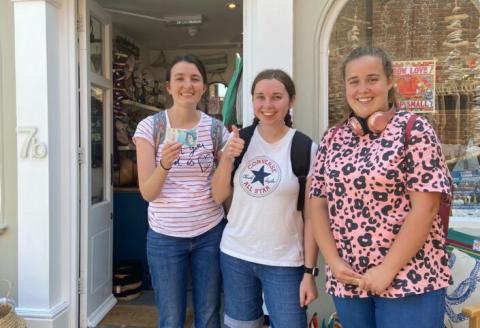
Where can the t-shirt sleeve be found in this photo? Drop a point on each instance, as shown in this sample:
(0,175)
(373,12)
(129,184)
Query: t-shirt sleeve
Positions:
(144,130)
(225,135)
(313,154)
(317,188)
(425,165)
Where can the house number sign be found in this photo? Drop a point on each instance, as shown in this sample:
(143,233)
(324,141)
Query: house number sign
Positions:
(31,147)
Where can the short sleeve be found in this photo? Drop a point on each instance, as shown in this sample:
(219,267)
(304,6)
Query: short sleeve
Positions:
(317,188)
(313,155)
(425,167)
(144,130)
(225,135)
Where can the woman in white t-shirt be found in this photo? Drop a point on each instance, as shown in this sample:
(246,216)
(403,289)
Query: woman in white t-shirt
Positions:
(266,246)
(185,223)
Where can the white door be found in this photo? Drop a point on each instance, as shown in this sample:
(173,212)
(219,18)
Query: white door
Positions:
(96,297)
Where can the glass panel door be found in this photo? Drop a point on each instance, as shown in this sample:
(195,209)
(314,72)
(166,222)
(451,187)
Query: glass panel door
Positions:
(97,116)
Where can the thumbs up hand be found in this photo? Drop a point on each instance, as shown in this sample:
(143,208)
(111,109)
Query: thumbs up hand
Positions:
(235,131)
(234,145)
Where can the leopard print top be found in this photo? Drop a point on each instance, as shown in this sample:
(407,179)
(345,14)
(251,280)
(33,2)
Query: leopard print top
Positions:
(366,181)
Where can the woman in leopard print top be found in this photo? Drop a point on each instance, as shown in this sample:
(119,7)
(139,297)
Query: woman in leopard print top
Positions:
(374,206)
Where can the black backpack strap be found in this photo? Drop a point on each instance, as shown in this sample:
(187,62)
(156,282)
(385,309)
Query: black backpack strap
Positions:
(300,158)
(246,134)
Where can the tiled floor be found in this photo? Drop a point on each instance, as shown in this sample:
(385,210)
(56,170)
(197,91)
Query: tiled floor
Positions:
(147,298)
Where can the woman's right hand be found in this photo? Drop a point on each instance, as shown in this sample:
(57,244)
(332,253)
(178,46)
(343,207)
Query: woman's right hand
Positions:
(170,153)
(343,272)
(234,146)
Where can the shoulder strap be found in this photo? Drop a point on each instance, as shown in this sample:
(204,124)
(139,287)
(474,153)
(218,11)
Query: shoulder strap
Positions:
(216,135)
(300,159)
(335,130)
(408,129)
(246,134)
(159,127)
(444,208)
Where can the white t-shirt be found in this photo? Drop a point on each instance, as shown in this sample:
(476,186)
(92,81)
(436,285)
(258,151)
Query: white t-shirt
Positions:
(264,225)
(185,207)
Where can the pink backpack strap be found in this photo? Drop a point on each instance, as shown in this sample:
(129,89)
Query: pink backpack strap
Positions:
(408,129)
(335,130)
(444,209)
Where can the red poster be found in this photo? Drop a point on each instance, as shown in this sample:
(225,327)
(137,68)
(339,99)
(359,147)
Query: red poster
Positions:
(415,85)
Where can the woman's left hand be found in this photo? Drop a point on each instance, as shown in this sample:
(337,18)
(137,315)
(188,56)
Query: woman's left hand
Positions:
(308,290)
(377,279)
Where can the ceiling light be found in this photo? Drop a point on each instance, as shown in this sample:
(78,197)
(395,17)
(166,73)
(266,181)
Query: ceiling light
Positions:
(231,5)
(192,30)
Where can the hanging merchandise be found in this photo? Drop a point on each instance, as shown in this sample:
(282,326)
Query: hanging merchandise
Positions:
(454,62)
(475,111)
(228,109)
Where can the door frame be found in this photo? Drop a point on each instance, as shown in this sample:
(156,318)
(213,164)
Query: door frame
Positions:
(95,218)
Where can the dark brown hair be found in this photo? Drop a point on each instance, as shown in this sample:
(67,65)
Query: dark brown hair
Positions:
(188,58)
(282,77)
(387,69)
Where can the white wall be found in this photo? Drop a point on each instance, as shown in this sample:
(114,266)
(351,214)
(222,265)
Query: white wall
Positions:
(306,25)
(46,91)
(308,15)
(267,43)
(8,162)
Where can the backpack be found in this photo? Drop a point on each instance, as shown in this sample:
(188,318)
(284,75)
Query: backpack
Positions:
(444,209)
(299,157)
(160,125)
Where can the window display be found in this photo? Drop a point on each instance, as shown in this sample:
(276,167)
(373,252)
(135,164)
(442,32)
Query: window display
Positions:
(436,48)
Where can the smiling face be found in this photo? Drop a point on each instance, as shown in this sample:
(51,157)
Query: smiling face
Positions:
(367,85)
(271,102)
(186,85)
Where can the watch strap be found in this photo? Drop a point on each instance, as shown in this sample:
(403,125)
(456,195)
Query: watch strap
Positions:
(313,271)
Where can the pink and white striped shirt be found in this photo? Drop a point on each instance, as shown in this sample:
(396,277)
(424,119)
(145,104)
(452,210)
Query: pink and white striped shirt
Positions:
(185,207)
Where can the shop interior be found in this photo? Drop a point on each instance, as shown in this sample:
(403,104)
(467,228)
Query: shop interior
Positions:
(146,36)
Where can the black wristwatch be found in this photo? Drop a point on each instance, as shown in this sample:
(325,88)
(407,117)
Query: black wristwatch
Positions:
(313,271)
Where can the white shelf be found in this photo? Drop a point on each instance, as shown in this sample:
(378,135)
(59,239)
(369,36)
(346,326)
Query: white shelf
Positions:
(136,106)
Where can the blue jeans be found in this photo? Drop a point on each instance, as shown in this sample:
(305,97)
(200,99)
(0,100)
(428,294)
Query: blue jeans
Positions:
(423,310)
(243,283)
(169,260)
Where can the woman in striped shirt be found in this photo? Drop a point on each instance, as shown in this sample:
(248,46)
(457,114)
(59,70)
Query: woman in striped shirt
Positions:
(185,223)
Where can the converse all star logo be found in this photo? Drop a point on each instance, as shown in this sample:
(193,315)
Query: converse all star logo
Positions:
(260,176)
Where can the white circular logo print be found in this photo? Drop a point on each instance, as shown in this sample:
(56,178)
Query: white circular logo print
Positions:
(260,177)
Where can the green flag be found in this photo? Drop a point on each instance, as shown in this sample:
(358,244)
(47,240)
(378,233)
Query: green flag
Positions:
(228,109)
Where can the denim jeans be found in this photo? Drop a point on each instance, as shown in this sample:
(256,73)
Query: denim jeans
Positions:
(169,260)
(423,310)
(243,283)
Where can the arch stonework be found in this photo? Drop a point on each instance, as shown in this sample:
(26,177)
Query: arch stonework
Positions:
(323,30)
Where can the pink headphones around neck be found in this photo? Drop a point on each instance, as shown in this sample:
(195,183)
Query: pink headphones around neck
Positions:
(375,123)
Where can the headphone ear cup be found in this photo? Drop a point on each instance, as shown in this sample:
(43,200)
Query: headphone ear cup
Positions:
(356,126)
(378,121)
